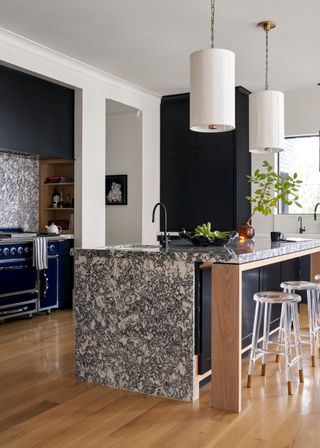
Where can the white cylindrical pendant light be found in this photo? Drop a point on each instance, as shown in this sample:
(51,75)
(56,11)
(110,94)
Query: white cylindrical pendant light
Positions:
(266,121)
(266,112)
(212,90)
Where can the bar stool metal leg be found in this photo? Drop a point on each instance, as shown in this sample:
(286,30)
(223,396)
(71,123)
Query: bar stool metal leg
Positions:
(297,339)
(287,338)
(311,328)
(266,330)
(318,317)
(280,334)
(255,338)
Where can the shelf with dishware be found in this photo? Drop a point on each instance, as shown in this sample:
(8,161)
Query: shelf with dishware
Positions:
(62,209)
(50,184)
(56,197)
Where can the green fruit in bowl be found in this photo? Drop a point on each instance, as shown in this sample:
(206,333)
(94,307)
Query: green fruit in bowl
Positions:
(205,230)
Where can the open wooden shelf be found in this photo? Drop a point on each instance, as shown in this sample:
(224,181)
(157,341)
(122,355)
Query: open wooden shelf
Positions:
(55,168)
(50,184)
(63,209)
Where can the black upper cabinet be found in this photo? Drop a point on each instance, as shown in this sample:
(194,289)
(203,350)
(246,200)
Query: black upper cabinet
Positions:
(214,191)
(36,116)
(204,175)
(175,132)
(179,195)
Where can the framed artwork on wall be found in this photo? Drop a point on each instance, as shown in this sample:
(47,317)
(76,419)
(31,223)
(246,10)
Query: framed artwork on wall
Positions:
(116,190)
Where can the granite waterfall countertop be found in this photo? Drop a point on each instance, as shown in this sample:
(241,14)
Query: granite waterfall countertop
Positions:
(236,252)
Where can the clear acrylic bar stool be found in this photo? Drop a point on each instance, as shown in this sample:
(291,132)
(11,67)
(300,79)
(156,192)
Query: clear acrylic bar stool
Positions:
(290,314)
(313,313)
(317,277)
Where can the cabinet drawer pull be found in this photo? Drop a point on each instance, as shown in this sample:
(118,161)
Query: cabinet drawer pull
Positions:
(13,268)
(14,311)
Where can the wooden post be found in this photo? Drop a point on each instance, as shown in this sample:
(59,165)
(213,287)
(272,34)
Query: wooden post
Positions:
(226,337)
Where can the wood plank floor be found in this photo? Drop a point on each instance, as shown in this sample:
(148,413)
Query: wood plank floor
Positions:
(42,405)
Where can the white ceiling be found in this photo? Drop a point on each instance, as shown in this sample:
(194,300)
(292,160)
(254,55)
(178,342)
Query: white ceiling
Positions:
(148,42)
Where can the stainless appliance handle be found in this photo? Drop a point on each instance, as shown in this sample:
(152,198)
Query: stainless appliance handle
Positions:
(20,293)
(25,302)
(47,284)
(13,268)
(13,311)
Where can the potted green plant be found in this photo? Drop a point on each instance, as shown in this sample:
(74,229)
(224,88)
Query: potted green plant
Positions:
(271,189)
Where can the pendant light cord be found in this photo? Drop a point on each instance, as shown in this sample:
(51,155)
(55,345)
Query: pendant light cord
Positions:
(267,59)
(212,23)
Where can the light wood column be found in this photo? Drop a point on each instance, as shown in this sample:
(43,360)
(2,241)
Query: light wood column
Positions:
(314,265)
(226,337)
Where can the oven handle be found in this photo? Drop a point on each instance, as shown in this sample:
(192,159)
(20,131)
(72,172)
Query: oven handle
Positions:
(47,284)
(2,313)
(20,293)
(13,268)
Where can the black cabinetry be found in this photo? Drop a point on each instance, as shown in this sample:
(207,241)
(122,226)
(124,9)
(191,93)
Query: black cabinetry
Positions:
(265,278)
(204,175)
(36,116)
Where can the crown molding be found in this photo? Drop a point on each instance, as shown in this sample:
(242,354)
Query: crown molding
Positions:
(21,43)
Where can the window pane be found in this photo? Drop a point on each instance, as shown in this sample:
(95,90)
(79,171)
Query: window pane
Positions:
(301,156)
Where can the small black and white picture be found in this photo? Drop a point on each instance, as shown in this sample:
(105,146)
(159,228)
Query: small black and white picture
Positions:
(116,190)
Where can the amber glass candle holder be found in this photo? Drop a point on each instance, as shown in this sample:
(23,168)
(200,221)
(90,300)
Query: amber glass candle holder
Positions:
(246,231)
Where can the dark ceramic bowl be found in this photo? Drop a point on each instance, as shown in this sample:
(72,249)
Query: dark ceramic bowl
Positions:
(203,241)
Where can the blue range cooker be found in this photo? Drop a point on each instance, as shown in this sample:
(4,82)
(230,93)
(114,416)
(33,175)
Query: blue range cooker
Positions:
(23,288)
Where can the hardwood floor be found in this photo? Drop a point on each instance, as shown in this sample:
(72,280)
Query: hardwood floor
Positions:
(42,405)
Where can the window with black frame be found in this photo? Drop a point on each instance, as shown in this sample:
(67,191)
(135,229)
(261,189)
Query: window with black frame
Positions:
(301,156)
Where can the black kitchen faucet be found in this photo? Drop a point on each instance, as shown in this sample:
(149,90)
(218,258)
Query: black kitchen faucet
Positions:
(315,211)
(166,239)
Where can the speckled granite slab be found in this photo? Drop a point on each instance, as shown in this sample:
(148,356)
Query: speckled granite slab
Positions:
(134,324)
(19,192)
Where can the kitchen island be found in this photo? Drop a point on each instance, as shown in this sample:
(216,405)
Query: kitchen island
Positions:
(135,314)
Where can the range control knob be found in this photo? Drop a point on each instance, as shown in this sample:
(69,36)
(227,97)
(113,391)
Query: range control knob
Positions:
(5,251)
(13,251)
(20,250)
(26,250)
(52,248)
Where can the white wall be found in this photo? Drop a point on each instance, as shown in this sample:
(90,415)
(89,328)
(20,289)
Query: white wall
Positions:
(302,112)
(124,156)
(93,87)
(302,117)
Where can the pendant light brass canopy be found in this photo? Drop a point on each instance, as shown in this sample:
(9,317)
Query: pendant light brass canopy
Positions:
(212,88)
(266,112)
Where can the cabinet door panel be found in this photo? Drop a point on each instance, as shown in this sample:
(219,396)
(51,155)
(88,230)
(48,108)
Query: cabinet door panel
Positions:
(36,116)
(49,284)
(215,187)
(214,139)
(250,285)
(304,274)
(270,280)
(205,322)
(178,188)
(175,118)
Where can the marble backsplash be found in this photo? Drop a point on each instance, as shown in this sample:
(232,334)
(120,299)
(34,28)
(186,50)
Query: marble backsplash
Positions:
(19,192)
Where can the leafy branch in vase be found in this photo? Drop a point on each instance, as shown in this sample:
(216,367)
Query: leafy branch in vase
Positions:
(271,189)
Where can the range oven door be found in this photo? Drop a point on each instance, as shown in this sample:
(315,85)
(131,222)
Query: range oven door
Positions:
(18,287)
(49,285)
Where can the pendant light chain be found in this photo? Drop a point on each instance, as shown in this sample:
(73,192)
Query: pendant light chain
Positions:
(267,60)
(212,23)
